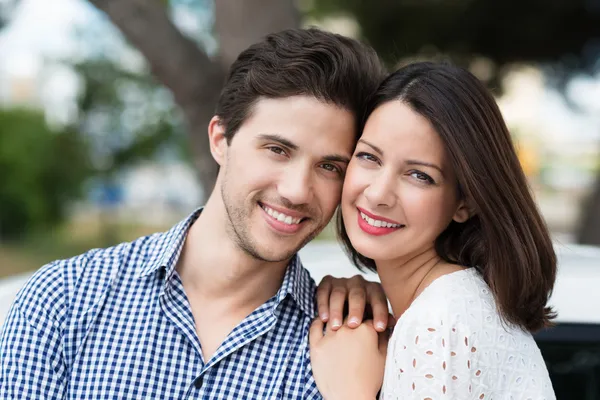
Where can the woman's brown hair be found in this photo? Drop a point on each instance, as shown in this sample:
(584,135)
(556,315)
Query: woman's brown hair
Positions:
(506,238)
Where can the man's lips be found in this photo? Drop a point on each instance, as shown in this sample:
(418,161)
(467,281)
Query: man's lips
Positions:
(280,221)
(283,210)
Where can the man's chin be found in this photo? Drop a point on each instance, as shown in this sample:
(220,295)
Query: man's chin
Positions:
(275,256)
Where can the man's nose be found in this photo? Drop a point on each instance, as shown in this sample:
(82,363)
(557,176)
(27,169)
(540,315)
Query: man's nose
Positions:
(296,184)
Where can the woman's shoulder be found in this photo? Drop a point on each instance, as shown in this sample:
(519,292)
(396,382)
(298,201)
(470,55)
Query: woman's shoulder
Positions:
(460,302)
(463,301)
(458,297)
(453,338)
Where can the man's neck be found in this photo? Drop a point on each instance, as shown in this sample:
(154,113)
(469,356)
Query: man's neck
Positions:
(214,267)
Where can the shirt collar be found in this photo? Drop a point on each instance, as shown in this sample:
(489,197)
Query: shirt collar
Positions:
(165,253)
(297,282)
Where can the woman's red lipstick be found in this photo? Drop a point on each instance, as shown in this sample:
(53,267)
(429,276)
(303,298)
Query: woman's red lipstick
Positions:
(375,230)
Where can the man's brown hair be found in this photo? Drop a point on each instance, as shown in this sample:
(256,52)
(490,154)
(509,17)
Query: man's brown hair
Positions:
(330,67)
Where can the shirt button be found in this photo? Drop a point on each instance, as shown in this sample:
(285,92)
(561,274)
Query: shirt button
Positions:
(198,382)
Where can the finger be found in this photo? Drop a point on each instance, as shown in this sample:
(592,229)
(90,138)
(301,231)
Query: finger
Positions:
(315,333)
(391,322)
(379,305)
(373,334)
(323,294)
(357,298)
(368,323)
(384,338)
(336,306)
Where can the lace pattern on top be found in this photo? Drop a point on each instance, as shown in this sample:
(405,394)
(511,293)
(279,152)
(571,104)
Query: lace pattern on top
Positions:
(452,344)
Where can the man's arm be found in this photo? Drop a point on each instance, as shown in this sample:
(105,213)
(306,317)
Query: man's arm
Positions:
(31,354)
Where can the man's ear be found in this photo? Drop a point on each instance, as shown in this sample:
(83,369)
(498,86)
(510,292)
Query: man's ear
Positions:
(463,213)
(217,140)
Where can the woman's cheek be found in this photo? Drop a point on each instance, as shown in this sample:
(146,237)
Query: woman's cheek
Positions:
(359,180)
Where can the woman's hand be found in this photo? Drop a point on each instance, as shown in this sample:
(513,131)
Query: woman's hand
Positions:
(348,363)
(360,295)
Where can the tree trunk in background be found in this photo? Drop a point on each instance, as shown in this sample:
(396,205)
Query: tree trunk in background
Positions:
(238,24)
(589,226)
(178,63)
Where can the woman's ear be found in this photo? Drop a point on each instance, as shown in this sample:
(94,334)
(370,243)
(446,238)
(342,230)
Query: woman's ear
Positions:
(217,140)
(463,213)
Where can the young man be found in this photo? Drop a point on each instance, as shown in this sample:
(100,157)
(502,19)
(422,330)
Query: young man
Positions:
(218,307)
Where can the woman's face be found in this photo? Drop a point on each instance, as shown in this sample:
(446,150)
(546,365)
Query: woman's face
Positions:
(400,191)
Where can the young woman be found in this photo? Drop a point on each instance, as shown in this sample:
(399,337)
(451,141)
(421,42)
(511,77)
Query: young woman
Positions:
(436,202)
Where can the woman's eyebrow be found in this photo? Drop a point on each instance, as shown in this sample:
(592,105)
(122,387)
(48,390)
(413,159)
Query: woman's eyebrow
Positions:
(377,149)
(425,164)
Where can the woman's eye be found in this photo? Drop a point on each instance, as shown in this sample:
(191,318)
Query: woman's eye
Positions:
(367,157)
(423,177)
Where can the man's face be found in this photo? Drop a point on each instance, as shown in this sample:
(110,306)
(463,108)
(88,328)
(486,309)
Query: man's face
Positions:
(283,173)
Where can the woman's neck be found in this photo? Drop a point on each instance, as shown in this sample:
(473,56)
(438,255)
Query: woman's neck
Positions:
(404,279)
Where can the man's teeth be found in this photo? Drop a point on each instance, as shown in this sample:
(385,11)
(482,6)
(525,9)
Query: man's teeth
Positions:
(286,219)
(377,223)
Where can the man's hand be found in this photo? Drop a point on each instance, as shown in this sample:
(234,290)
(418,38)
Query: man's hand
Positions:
(333,293)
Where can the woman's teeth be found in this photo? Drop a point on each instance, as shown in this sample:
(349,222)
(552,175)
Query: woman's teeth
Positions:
(377,223)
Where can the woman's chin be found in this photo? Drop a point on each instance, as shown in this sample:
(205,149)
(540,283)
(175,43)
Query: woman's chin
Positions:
(369,252)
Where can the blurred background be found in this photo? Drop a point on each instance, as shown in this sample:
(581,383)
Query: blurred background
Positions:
(104,103)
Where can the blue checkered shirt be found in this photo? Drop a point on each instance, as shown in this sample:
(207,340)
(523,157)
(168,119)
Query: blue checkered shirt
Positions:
(116,324)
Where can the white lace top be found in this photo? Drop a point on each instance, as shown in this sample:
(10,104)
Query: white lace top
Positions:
(452,344)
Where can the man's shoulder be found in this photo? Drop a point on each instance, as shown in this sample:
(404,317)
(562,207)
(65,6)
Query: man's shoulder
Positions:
(54,287)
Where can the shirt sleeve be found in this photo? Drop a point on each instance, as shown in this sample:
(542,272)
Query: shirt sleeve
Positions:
(433,360)
(311,391)
(31,353)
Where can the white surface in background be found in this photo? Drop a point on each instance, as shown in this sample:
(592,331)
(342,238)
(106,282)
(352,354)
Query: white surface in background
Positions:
(576,296)
(8,290)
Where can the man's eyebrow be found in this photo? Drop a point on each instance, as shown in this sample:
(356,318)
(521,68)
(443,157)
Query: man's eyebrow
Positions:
(278,138)
(285,142)
(377,149)
(337,158)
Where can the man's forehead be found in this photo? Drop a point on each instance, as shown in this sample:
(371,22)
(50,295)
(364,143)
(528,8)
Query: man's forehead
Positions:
(303,121)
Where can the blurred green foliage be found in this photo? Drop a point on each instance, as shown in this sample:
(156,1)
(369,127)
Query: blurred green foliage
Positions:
(126,116)
(41,171)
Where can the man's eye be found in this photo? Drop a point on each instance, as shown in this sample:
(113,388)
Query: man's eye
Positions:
(277,150)
(330,167)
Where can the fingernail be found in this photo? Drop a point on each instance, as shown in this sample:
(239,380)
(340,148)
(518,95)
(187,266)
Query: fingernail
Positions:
(380,325)
(336,323)
(353,321)
(324,316)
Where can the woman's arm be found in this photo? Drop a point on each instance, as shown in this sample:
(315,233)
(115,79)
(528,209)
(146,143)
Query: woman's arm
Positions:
(347,363)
